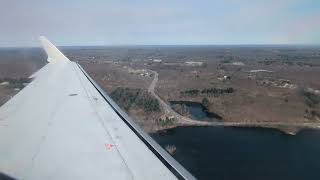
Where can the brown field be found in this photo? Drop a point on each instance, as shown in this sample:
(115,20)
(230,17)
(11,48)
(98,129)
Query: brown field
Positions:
(271,84)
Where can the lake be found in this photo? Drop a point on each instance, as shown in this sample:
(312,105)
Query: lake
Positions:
(244,153)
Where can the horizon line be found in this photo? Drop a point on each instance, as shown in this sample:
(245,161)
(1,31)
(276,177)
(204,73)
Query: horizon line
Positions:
(132,45)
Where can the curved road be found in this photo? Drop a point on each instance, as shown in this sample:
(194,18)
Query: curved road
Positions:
(167,109)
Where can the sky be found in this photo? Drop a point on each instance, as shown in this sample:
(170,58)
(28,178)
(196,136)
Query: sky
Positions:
(159,22)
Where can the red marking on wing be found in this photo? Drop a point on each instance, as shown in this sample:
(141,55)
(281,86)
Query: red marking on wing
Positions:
(109,146)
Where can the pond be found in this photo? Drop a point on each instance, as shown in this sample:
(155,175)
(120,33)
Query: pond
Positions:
(196,110)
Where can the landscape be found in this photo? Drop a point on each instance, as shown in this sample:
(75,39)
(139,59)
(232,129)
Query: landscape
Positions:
(175,89)
(174,92)
(264,86)
(162,87)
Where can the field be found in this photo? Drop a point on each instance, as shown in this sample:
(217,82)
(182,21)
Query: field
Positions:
(271,86)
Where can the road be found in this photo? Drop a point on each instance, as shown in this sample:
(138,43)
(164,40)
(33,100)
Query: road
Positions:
(185,121)
(166,107)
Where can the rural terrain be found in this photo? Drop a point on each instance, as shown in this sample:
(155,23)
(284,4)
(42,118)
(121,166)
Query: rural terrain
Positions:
(163,87)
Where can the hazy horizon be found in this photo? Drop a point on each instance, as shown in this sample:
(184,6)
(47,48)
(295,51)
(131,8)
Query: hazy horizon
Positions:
(170,45)
(168,22)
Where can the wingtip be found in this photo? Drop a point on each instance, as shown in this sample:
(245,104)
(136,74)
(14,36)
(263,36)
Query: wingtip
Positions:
(52,51)
(42,38)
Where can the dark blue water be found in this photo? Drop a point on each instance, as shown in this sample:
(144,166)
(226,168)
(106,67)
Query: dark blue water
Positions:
(197,111)
(245,153)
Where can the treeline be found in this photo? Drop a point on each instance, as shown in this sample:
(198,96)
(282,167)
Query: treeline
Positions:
(311,99)
(209,92)
(290,62)
(181,109)
(168,121)
(312,114)
(130,97)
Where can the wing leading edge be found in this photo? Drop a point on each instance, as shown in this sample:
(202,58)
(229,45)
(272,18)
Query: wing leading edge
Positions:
(63,126)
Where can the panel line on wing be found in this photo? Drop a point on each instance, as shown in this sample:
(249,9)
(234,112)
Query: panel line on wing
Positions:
(101,120)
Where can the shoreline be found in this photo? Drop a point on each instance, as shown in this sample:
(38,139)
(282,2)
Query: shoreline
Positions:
(182,121)
(286,128)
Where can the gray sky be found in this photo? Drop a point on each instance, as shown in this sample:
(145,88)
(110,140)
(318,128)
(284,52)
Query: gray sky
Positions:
(116,22)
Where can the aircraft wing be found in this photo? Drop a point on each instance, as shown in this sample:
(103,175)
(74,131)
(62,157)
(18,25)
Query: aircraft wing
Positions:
(64,126)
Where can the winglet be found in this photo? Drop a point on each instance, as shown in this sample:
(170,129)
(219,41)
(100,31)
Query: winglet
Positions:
(54,55)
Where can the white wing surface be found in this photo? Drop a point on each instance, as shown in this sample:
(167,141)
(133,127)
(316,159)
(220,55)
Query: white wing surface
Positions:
(61,126)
